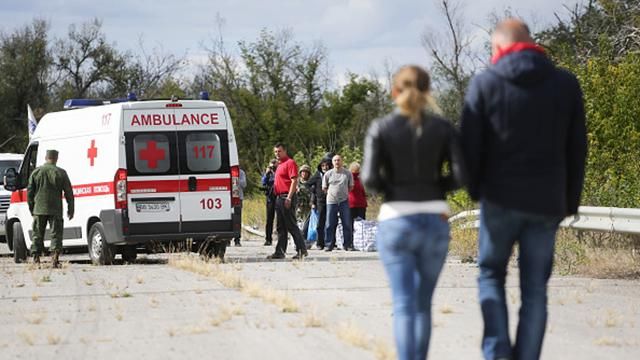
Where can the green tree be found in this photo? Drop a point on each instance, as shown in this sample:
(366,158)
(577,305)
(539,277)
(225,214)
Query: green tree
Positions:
(24,70)
(87,64)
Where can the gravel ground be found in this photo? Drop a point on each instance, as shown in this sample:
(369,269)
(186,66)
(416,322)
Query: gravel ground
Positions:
(154,310)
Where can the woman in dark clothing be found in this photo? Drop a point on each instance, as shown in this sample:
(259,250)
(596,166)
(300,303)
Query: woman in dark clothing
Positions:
(404,156)
(319,197)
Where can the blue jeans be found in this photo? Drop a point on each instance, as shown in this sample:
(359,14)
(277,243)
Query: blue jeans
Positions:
(500,228)
(413,250)
(332,224)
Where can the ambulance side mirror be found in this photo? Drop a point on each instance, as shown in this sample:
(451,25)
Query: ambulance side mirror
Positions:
(10,179)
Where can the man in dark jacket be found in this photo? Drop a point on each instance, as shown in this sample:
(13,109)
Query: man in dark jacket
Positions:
(524,140)
(319,197)
(267,185)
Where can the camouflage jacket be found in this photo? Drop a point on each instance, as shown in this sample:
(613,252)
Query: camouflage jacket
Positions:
(44,192)
(303,205)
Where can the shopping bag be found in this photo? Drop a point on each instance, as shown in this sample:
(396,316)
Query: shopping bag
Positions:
(312,232)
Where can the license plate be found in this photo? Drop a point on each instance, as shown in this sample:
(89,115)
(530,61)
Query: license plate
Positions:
(153,207)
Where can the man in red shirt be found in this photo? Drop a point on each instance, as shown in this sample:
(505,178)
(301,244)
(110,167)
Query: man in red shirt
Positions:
(285,186)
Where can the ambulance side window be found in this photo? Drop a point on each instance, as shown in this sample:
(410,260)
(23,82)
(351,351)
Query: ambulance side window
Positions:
(203,152)
(152,153)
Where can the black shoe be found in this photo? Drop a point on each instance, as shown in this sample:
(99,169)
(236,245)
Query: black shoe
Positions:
(300,255)
(36,258)
(320,247)
(349,248)
(328,249)
(275,256)
(267,243)
(237,243)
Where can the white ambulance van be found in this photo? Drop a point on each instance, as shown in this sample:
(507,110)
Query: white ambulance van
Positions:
(145,174)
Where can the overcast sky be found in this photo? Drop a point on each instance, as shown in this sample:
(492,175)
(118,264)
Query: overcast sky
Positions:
(359,35)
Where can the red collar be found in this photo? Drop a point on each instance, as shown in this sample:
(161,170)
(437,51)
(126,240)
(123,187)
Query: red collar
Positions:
(283,159)
(516,47)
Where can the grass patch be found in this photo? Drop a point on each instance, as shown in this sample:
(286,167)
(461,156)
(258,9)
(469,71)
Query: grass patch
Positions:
(27,337)
(36,318)
(351,334)
(53,339)
(313,320)
(592,254)
(235,281)
(464,244)
(598,255)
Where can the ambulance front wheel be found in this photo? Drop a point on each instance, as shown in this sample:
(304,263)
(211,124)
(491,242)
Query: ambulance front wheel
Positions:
(19,246)
(100,252)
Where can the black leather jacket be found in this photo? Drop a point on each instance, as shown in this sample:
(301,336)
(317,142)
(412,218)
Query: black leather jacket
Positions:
(404,163)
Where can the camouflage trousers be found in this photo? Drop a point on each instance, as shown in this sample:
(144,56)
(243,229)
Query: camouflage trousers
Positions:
(39,226)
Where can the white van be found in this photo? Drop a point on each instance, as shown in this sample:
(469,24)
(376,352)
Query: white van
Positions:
(7,161)
(144,173)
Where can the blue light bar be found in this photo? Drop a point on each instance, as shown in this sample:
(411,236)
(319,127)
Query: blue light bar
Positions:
(80,103)
(204,95)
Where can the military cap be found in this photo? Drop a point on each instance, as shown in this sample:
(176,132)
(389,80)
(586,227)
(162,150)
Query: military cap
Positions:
(305,168)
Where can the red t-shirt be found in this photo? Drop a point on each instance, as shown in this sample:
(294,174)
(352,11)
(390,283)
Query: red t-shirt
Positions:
(287,170)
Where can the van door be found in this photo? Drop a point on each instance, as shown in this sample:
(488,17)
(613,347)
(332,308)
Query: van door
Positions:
(153,179)
(205,170)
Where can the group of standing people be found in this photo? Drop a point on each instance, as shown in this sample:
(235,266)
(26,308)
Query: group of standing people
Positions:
(520,151)
(332,192)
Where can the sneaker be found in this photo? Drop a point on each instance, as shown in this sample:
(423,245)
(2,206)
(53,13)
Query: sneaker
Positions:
(300,255)
(275,256)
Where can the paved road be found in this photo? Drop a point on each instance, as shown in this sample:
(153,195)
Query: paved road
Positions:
(155,310)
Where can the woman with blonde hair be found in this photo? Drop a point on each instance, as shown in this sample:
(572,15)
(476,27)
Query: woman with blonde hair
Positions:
(405,153)
(357,195)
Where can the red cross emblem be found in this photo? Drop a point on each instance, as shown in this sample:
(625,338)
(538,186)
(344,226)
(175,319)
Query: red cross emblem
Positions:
(92,152)
(152,154)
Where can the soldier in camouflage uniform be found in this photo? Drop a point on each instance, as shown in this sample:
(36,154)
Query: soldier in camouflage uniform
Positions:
(303,195)
(46,185)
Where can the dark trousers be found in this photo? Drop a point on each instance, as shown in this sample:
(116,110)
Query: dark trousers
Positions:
(357,213)
(322,219)
(287,224)
(271,214)
(238,209)
(40,225)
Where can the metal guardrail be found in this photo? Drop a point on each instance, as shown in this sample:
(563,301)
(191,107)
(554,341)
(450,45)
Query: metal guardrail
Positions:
(591,218)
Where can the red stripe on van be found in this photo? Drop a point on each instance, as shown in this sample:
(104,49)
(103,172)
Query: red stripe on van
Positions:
(97,189)
(137,187)
(174,186)
(84,190)
(19,196)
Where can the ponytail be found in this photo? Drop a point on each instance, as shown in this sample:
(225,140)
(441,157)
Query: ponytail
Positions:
(411,83)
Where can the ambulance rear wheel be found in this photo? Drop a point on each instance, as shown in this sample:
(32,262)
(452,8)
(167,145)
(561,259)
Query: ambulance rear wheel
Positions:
(220,249)
(100,252)
(19,246)
(129,253)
